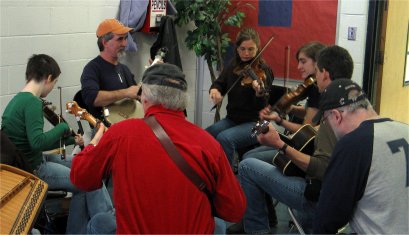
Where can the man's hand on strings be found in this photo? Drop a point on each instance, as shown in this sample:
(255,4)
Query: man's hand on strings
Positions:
(266,114)
(132,91)
(271,138)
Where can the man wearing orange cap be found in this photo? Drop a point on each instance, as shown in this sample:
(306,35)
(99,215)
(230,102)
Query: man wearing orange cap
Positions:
(104,79)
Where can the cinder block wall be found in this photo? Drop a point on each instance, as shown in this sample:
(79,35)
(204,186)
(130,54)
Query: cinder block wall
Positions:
(65,30)
(353,13)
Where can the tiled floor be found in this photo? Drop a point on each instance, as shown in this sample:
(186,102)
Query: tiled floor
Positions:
(283,219)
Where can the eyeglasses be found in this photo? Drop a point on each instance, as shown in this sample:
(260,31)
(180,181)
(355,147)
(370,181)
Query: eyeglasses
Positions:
(325,117)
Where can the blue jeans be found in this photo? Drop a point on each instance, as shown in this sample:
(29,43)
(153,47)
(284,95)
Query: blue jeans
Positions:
(102,223)
(219,226)
(232,136)
(258,178)
(263,153)
(84,205)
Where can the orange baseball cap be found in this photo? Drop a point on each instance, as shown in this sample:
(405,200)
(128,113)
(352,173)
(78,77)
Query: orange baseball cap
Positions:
(112,26)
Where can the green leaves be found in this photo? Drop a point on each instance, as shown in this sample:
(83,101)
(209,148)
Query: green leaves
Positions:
(235,20)
(209,16)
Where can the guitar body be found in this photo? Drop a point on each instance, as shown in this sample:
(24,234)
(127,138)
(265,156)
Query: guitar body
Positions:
(123,109)
(303,141)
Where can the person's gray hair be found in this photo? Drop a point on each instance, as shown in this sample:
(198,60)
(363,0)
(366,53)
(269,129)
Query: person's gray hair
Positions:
(361,104)
(105,37)
(170,97)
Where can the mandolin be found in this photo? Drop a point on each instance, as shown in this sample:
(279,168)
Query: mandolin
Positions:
(302,140)
(78,112)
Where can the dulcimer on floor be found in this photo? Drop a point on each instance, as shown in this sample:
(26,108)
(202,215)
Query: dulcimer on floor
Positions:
(22,196)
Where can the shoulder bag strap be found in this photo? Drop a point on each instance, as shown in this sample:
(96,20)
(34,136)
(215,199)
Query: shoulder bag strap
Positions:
(174,153)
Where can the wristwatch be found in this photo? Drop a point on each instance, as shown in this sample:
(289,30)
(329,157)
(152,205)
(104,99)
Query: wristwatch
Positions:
(283,149)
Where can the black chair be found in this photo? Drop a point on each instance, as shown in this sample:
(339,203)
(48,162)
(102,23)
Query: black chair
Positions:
(10,155)
(80,101)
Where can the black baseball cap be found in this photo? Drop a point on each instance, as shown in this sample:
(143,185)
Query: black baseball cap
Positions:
(165,75)
(338,94)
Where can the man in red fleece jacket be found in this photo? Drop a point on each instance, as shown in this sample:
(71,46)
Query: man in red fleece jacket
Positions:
(151,194)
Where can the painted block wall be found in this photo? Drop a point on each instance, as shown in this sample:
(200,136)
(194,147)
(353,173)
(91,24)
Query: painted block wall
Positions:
(353,13)
(65,30)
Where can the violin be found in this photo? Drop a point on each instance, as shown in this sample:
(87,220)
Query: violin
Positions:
(293,96)
(253,71)
(52,117)
(250,73)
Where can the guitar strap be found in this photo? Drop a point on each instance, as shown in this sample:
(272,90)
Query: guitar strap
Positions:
(174,154)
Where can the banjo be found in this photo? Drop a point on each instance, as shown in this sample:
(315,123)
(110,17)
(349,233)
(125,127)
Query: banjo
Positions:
(129,108)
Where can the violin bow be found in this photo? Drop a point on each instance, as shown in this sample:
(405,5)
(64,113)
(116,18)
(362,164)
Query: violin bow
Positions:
(248,66)
(262,50)
(287,66)
(62,143)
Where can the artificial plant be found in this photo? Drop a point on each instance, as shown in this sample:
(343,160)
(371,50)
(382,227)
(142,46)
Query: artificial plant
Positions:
(208,39)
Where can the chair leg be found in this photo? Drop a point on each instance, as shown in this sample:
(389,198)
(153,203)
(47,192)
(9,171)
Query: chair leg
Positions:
(297,225)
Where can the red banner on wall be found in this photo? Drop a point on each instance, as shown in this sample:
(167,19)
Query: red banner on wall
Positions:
(293,23)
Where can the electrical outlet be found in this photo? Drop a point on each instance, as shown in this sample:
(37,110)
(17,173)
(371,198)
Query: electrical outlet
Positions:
(352,33)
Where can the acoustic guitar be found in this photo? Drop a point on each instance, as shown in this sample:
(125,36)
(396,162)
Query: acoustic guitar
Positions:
(302,140)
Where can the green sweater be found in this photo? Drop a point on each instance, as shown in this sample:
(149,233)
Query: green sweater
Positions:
(23,122)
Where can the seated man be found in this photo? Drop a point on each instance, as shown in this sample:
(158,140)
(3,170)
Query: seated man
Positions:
(151,193)
(104,79)
(23,122)
(366,183)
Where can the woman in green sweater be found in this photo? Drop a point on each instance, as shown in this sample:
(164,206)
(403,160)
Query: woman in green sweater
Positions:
(23,122)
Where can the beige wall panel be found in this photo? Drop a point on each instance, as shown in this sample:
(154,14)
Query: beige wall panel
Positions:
(394,96)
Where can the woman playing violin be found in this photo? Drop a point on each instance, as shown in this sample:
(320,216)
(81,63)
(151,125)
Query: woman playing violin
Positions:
(23,122)
(246,97)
